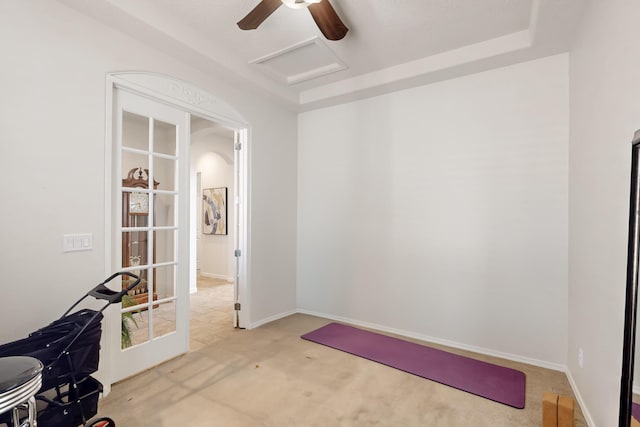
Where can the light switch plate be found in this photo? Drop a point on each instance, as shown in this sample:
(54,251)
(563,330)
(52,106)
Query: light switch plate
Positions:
(77,242)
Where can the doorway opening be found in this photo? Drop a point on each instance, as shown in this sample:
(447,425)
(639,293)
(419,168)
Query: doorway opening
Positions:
(212,288)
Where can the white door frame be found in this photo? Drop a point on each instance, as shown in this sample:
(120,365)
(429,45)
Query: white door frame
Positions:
(191,99)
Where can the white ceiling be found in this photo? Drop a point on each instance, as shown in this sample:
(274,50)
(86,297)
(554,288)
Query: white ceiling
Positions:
(391,44)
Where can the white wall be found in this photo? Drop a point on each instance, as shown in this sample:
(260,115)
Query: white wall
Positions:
(441,211)
(212,156)
(605,112)
(52,157)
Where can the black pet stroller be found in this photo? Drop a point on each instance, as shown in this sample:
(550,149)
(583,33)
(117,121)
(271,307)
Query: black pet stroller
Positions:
(69,349)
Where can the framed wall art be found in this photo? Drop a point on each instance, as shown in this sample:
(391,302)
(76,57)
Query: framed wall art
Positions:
(214,211)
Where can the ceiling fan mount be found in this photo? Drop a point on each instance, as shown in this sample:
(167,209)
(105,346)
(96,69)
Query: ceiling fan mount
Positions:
(299,4)
(322,12)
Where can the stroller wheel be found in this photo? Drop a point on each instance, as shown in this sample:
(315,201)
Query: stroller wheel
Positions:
(102,422)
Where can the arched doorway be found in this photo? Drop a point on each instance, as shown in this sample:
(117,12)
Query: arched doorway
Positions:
(151,99)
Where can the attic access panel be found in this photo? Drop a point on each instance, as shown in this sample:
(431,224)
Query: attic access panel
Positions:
(301,62)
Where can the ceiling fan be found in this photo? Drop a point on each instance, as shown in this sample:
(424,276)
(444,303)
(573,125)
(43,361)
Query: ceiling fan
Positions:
(322,12)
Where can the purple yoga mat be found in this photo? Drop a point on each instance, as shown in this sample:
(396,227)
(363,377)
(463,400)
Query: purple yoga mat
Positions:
(635,411)
(497,383)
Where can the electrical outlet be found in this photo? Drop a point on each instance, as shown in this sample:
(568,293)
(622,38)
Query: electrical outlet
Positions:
(580,358)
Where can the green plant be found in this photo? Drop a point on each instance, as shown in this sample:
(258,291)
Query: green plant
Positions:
(127,319)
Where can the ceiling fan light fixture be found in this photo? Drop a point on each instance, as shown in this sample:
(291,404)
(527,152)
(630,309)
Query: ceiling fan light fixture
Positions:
(324,15)
(299,4)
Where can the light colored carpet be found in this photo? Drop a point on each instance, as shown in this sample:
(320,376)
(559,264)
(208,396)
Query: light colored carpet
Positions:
(269,376)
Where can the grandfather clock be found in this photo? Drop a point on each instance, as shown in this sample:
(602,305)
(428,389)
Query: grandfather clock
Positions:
(136,212)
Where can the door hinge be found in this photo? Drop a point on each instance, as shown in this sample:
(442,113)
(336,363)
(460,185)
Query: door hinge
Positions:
(237,146)
(236,306)
(237,253)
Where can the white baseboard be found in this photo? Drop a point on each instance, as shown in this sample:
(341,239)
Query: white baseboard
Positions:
(585,411)
(436,340)
(271,319)
(217,276)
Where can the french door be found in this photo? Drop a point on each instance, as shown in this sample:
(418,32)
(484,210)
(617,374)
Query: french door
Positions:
(151,231)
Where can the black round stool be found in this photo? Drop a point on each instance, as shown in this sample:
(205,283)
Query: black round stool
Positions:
(20,380)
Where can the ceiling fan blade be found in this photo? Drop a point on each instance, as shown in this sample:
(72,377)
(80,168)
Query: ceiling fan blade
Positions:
(328,20)
(259,14)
